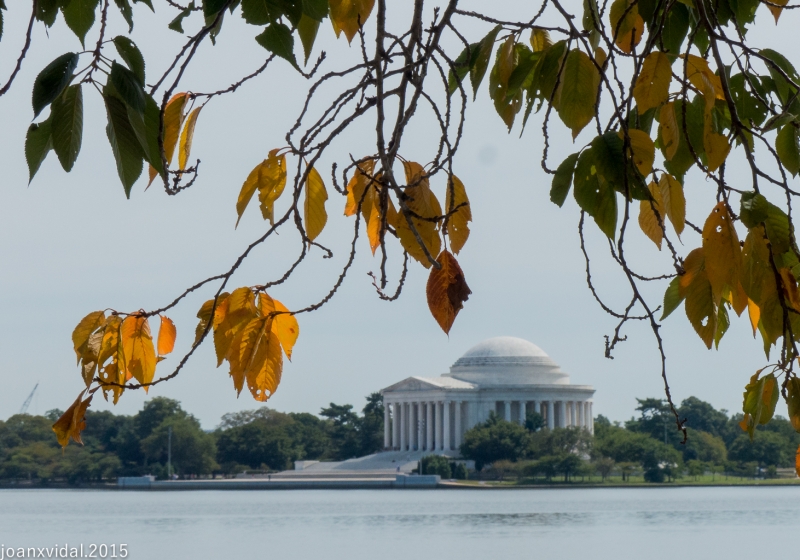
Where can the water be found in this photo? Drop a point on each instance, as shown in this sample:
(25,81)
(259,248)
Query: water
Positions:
(563,524)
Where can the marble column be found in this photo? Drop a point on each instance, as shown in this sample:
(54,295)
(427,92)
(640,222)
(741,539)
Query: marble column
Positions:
(403,427)
(446,421)
(562,415)
(522,412)
(429,426)
(458,425)
(507,416)
(591,419)
(439,425)
(537,407)
(386,427)
(395,426)
(573,414)
(579,414)
(419,426)
(587,420)
(551,415)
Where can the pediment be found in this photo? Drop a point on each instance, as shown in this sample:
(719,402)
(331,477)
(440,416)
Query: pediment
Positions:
(412,384)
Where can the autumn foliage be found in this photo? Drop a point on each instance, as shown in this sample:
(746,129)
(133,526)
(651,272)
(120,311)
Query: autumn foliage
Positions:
(655,95)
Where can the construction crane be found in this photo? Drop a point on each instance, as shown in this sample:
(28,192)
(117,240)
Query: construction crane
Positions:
(27,402)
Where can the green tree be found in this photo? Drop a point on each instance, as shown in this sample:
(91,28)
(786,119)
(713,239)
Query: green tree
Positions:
(371,425)
(345,438)
(495,440)
(766,448)
(435,464)
(193,450)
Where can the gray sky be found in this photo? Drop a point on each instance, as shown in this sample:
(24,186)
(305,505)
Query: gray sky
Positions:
(71,244)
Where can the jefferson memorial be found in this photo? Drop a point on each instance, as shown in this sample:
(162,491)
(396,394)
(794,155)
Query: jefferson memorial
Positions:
(509,376)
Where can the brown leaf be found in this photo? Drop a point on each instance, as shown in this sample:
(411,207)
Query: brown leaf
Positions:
(447,291)
(73,421)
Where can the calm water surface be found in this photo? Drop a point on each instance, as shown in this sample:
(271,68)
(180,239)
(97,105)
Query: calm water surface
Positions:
(591,524)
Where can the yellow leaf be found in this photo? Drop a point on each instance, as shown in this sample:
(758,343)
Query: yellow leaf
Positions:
(723,254)
(173,120)
(447,291)
(540,39)
(231,316)
(652,85)
(314,212)
(349,15)
(271,182)
(84,330)
(73,421)
(790,292)
(692,265)
(793,402)
(166,336)
(670,133)
(457,225)
(577,91)
(673,201)
(205,315)
(648,220)
(152,174)
(776,11)
(373,208)
(701,77)
(263,381)
(601,57)
(758,281)
(187,136)
(137,346)
(248,189)
(284,324)
(754,313)
(642,148)
(717,149)
(243,355)
(420,200)
(627,25)
(358,183)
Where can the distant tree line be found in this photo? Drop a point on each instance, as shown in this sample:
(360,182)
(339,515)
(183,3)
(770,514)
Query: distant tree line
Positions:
(120,445)
(647,445)
(267,440)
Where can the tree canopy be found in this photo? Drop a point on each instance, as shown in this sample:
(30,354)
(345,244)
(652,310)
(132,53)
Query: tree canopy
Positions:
(656,94)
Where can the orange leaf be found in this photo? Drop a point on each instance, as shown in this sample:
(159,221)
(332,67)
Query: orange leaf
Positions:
(173,120)
(73,421)
(187,136)
(723,254)
(447,291)
(166,336)
(137,346)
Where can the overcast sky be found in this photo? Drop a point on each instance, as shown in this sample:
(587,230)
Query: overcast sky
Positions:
(71,244)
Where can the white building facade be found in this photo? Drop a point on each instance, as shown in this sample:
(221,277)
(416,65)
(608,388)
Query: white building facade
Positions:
(509,376)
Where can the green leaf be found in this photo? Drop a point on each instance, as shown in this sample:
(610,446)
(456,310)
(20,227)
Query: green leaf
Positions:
(478,68)
(723,322)
(146,131)
(672,298)
(52,80)
(132,56)
(523,71)
(149,3)
(47,11)
(315,9)
(462,64)
(260,12)
(127,13)
(126,147)
(277,38)
(128,87)
(760,398)
(67,125)
(788,149)
(38,142)
(212,7)
(675,29)
(79,15)
(754,209)
(562,180)
(577,91)
(307,30)
(177,23)
(594,195)
(546,73)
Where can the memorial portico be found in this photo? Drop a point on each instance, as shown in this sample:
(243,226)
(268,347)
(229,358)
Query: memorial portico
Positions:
(505,375)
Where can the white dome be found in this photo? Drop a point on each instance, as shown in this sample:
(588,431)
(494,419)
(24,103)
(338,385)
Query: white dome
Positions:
(507,360)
